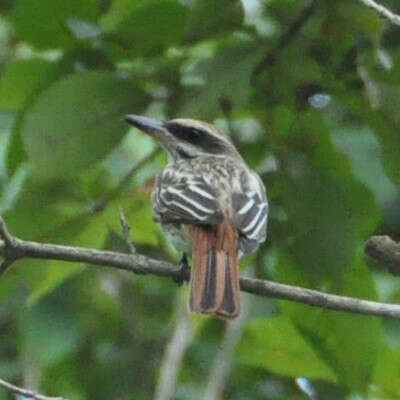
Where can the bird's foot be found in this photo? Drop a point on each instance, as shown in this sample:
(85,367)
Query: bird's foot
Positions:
(183,274)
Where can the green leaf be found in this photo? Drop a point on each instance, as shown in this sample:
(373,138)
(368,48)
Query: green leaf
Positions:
(359,19)
(7,119)
(223,77)
(387,372)
(385,121)
(44,23)
(283,121)
(362,148)
(348,343)
(208,18)
(77,121)
(21,79)
(43,276)
(328,209)
(41,208)
(138,212)
(276,345)
(323,229)
(15,153)
(8,283)
(21,82)
(146,27)
(93,235)
(118,12)
(13,188)
(351,335)
(48,331)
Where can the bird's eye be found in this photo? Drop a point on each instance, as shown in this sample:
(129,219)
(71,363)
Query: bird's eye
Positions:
(195,132)
(182,132)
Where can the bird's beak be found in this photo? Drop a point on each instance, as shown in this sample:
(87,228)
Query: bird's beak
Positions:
(150,126)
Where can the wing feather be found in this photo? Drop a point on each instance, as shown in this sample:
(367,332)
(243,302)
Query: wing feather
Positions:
(180,199)
(250,214)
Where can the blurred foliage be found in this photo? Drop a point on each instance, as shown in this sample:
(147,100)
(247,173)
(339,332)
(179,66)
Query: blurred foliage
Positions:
(320,123)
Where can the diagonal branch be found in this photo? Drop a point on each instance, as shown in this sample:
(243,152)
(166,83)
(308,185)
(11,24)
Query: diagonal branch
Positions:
(285,39)
(140,264)
(7,262)
(383,11)
(181,339)
(28,394)
(222,365)
(126,231)
(102,204)
(125,180)
(9,253)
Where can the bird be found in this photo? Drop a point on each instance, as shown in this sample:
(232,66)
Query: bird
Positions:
(210,204)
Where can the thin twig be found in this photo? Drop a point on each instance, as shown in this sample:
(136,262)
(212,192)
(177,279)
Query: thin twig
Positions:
(222,364)
(140,264)
(26,393)
(285,39)
(126,179)
(126,230)
(383,11)
(102,204)
(4,232)
(175,351)
(7,262)
(8,252)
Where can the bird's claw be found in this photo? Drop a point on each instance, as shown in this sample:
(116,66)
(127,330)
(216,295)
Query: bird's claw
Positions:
(183,275)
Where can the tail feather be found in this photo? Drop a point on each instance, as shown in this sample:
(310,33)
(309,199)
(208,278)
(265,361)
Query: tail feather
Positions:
(215,276)
(230,305)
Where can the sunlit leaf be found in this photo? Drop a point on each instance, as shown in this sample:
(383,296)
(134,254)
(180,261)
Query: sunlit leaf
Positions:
(387,373)
(347,343)
(275,344)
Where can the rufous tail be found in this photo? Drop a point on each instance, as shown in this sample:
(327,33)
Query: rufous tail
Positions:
(215,273)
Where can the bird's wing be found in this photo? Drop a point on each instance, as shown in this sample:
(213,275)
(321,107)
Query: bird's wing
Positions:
(251,212)
(182,199)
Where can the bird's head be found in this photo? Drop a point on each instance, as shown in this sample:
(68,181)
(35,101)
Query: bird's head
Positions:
(185,138)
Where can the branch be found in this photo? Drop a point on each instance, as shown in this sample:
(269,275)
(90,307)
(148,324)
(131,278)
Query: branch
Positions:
(26,393)
(126,179)
(181,339)
(383,11)
(102,204)
(126,230)
(8,242)
(140,264)
(386,251)
(285,39)
(222,364)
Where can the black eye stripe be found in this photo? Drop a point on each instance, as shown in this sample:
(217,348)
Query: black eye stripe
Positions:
(197,137)
(185,133)
(196,132)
